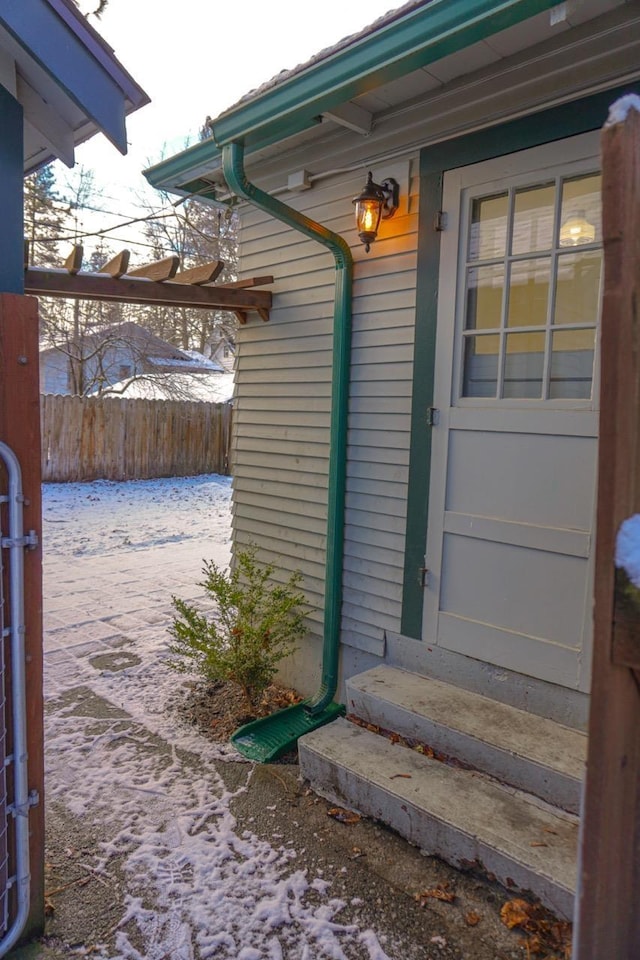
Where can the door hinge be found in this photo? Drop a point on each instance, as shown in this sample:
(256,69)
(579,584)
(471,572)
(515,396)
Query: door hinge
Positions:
(423,576)
(440,221)
(433,415)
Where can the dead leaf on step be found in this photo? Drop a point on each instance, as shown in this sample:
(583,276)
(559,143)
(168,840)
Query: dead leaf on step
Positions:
(547,937)
(472,919)
(440,892)
(343,816)
(405,776)
(538,843)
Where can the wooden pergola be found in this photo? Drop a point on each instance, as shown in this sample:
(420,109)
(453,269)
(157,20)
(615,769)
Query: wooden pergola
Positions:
(160,283)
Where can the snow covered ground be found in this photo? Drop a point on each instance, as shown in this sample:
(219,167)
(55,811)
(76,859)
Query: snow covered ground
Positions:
(198,884)
(86,519)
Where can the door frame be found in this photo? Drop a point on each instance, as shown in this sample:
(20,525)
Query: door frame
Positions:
(558,123)
(503,647)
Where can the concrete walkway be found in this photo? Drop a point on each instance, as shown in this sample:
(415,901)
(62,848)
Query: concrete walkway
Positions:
(164,845)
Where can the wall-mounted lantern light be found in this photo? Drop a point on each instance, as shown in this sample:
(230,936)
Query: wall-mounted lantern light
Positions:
(577,230)
(377,201)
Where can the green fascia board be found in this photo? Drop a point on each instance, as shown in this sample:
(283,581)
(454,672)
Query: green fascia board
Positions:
(414,40)
(422,36)
(175,171)
(56,47)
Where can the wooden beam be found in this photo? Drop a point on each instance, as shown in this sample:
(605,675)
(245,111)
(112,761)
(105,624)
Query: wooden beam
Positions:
(118,265)
(205,273)
(246,284)
(241,317)
(73,263)
(127,289)
(159,270)
(609,879)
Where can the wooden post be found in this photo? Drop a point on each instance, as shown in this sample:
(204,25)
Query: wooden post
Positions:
(20,429)
(608,915)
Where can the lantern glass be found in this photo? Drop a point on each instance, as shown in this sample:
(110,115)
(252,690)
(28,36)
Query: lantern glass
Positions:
(376,201)
(368,218)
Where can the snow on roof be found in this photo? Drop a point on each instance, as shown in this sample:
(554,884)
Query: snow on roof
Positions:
(191,365)
(203,387)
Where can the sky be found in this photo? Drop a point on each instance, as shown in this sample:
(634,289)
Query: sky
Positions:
(195,58)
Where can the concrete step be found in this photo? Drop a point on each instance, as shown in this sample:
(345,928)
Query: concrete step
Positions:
(519,748)
(462,816)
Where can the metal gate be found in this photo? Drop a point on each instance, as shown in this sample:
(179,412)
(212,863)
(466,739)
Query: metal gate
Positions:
(15,800)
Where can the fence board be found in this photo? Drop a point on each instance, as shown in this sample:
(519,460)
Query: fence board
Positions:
(91,438)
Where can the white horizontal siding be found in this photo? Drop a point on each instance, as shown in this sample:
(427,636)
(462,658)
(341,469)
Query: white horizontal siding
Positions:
(281,445)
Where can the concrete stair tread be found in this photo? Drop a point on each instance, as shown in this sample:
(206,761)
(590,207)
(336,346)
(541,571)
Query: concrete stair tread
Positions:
(487,734)
(524,733)
(460,815)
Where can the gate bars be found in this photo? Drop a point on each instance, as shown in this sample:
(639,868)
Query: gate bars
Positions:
(14,809)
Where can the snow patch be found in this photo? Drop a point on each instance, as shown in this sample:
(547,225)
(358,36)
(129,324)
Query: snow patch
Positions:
(198,885)
(620,110)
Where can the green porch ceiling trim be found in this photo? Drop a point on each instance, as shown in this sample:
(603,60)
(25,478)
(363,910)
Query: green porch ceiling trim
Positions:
(233,158)
(413,40)
(557,123)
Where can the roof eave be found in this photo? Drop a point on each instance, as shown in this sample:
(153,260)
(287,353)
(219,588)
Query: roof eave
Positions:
(421,36)
(67,48)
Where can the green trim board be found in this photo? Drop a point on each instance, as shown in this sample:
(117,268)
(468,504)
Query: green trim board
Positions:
(411,40)
(557,123)
(11,187)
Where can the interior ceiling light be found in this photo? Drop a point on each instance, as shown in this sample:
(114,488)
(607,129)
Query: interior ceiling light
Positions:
(577,230)
(376,202)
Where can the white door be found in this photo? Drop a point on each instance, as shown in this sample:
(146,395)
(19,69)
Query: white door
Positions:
(512,498)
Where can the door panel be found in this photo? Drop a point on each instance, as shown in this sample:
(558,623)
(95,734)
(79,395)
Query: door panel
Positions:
(511,513)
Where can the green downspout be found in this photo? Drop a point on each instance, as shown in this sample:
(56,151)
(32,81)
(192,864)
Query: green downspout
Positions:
(233,166)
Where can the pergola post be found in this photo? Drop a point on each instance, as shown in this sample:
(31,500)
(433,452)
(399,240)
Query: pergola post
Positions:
(608,918)
(20,429)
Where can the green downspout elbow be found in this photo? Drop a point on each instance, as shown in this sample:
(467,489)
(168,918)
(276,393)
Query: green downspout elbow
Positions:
(233,166)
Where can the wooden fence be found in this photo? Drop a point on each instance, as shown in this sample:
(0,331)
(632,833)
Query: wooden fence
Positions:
(90,438)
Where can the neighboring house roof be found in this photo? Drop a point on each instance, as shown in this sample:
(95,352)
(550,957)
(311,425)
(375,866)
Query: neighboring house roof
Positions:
(207,387)
(144,344)
(66,77)
(428,42)
(190,364)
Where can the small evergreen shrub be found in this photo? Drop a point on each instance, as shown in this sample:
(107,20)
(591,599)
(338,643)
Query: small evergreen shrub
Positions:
(256,624)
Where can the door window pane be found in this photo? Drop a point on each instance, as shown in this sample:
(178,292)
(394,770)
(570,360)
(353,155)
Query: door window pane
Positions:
(484,298)
(578,287)
(488,231)
(481,366)
(572,364)
(533,272)
(580,215)
(524,365)
(529,293)
(533,219)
